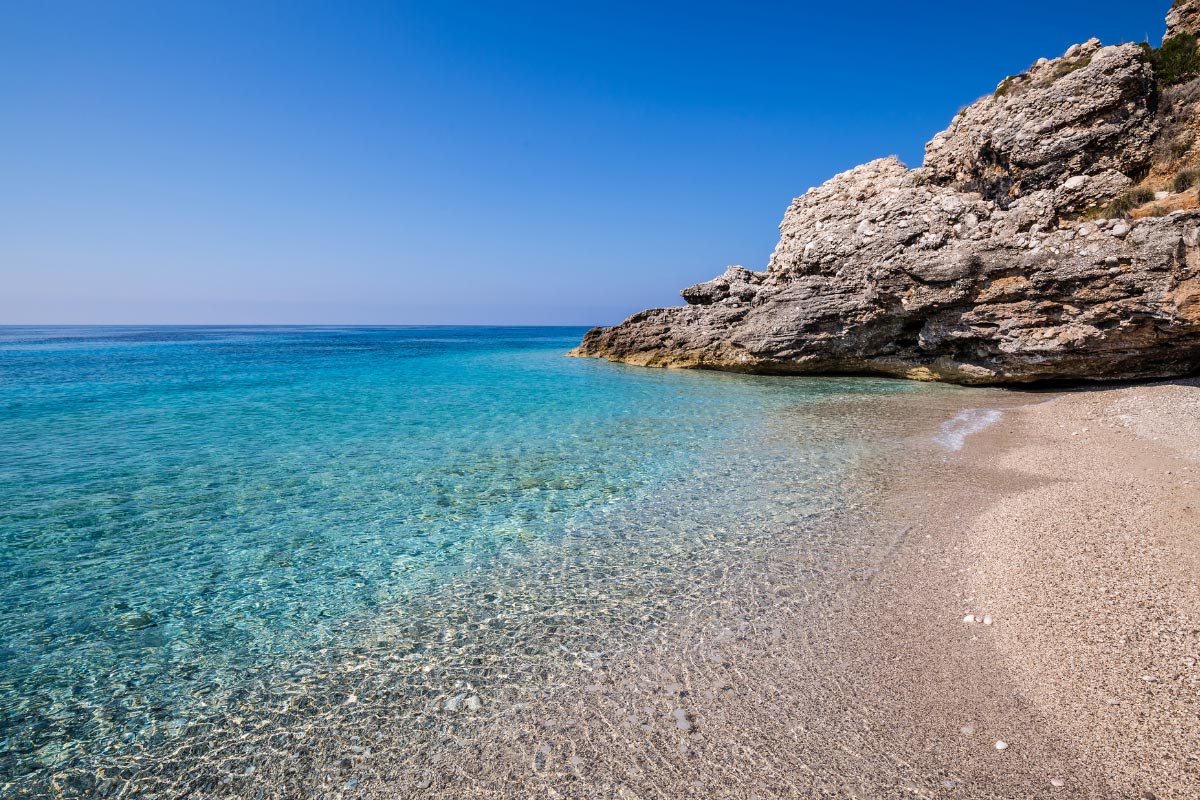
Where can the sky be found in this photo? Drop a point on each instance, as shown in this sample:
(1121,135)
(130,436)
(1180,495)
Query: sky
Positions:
(457,162)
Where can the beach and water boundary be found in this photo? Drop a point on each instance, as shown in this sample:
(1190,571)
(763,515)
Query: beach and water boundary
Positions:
(825,664)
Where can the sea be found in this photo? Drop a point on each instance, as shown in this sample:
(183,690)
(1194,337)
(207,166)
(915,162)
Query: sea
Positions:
(195,521)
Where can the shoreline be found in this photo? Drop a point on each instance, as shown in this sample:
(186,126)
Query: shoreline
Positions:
(886,691)
(810,677)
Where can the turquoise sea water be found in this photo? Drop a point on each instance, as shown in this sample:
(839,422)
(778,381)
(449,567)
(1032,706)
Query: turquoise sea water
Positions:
(182,508)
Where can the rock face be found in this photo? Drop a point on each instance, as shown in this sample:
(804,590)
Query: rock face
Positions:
(1184,17)
(990,264)
(1087,113)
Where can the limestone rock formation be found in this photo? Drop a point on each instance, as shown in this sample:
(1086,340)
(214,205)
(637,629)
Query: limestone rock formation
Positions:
(1087,113)
(1184,17)
(1003,259)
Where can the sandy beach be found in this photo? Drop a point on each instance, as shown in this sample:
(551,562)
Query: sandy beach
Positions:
(1091,571)
(1066,532)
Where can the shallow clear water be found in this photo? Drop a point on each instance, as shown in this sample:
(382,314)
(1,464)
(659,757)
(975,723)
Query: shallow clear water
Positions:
(184,508)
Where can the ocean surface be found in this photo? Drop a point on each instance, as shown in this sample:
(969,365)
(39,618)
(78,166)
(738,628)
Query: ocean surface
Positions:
(188,513)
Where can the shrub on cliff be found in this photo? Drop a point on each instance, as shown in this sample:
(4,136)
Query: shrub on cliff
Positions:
(1177,60)
(1126,203)
(1185,179)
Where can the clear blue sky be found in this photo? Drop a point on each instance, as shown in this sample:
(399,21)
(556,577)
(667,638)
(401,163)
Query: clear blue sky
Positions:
(458,162)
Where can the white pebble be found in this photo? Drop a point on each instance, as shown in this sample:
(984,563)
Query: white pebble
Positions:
(969,618)
(1002,745)
(1057,782)
(987,620)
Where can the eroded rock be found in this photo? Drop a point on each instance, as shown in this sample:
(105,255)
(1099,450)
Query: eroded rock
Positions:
(982,266)
(1184,17)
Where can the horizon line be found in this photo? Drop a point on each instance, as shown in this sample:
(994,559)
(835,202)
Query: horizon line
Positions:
(284,325)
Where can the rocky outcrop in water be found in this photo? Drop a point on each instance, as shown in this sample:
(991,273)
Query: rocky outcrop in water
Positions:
(1027,248)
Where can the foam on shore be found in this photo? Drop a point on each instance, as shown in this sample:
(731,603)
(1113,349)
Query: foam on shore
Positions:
(954,431)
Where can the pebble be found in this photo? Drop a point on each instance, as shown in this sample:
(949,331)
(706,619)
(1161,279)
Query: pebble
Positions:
(474,703)
(969,618)
(682,720)
(1057,782)
(987,620)
(1002,745)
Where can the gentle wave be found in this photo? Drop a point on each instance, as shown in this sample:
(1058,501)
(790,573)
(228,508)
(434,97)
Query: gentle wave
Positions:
(954,432)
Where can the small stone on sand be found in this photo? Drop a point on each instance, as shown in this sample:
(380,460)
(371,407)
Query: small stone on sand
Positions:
(682,720)
(969,618)
(1057,782)
(1001,745)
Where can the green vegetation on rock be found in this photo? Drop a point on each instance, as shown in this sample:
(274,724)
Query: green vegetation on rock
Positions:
(1126,203)
(1186,179)
(1004,87)
(1177,60)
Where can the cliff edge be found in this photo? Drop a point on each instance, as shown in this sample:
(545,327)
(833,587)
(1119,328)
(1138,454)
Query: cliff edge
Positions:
(1053,233)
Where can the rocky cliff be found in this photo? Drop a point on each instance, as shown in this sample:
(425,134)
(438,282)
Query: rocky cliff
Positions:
(1051,234)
